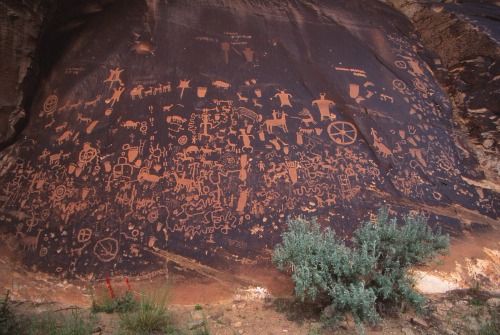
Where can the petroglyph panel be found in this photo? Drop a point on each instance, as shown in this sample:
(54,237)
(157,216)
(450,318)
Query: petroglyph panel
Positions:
(202,137)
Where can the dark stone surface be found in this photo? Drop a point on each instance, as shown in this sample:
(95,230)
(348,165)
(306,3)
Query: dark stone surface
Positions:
(198,127)
(21,23)
(464,37)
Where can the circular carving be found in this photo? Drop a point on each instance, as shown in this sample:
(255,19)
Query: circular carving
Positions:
(84,235)
(398,84)
(342,132)
(438,196)
(182,140)
(106,249)
(50,104)
(401,64)
(60,192)
(153,216)
(420,86)
(87,154)
(43,252)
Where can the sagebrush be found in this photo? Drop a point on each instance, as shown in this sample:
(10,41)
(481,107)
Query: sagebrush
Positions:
(372,271)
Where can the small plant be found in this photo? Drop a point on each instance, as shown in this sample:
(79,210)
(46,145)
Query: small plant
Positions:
(8,321)
(108,302)
(58,323)
(374,270)
(152,314)
(198,307)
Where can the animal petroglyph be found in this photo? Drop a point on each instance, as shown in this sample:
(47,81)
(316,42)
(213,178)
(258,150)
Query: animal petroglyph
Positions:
(205,148)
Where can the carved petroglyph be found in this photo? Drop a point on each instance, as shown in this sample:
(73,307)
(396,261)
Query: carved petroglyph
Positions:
(114,77)
(324,107)
(116,178)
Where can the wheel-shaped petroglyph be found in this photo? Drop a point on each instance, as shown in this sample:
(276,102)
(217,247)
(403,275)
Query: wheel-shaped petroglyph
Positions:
(50,104)
(106,249)
(84,235)
(342,132)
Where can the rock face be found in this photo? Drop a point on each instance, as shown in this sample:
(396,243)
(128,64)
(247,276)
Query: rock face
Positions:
(198,127)
(20,26)
(468,49)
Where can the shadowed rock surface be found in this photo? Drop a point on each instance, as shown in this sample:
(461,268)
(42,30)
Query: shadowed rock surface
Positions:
(196,128)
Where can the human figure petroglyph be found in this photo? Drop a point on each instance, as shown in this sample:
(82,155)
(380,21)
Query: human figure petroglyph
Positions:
(284,98)
(206,123)
(324,107)
(276,122)
(114,76)
(116,96)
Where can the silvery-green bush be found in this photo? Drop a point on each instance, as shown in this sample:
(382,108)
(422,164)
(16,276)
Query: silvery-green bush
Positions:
(372,270)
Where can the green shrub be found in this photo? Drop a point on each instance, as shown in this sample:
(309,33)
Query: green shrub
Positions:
(151,316)
(373,270)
